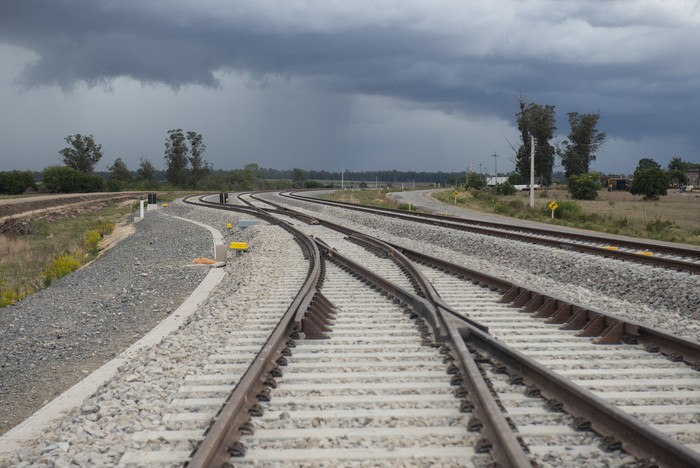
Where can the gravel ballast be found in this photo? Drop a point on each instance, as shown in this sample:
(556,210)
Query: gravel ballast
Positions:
(113,302)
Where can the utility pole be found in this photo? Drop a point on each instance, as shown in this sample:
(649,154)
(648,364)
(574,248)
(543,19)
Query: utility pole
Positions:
(495,168)
(532,171)
(342,179)
(480,171)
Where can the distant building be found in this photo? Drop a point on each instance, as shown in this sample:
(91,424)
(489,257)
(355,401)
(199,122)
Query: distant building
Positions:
(692,177)
(491,181)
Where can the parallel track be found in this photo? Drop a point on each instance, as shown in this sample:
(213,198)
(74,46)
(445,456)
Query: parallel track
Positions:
(659,255)
(375,371)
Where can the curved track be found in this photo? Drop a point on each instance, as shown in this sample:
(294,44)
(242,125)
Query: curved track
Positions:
(642,403)
(681,258)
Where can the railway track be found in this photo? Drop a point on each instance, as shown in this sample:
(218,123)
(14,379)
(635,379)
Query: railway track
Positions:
(659,255)
(526,410)
(368,353)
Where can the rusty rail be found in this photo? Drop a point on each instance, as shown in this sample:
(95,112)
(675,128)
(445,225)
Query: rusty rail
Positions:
(499,438)
(222,437)
(637,438)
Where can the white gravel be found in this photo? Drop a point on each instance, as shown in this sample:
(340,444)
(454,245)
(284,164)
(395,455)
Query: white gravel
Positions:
(667,300)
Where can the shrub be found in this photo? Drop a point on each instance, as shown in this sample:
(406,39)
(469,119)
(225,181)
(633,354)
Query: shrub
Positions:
(516,179)
(505,188)
(63,179)
(9,295)
(475,181)
(568,209)
(583,187)
(92,240)
(658,226)
(59,267)
(16,182)
(650,183)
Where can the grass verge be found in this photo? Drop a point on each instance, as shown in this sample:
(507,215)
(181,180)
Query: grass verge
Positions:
(674,218)
(48,248)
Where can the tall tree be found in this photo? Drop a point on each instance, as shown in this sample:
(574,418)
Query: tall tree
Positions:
(298,178)
(584,140)
(176,171)
(119,171)
(538,121)
(646,163)
(199,167)
(146,171)
(82,154)
(677,164)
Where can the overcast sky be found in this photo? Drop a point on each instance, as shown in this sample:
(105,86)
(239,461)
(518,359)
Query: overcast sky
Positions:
(354,84)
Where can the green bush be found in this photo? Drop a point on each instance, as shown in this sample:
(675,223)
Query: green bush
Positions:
(516,179)
(59,267)
(9,295)
(16,182)
(92,240)
(567,210)
(583,187)
(658,226)
(63,179)
(505,188)
(475,181)
(650,183)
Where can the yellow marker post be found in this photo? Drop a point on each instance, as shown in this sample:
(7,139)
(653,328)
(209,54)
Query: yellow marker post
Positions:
(229,225)
(238,247)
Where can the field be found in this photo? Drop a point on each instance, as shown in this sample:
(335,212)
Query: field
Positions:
(673,218)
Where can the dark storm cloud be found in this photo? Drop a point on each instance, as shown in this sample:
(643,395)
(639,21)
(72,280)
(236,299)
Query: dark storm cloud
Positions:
(634,62)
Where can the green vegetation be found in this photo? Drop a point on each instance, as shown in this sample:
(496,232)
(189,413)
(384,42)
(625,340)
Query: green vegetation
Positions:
(59,267)
(63,179)
(367,197)
(16,182)
(636,218)
(45,250)
(584,186)
(82,153)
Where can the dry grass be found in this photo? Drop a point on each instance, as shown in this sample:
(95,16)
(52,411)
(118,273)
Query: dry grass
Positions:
(26,256)
(675,217)
(681,208)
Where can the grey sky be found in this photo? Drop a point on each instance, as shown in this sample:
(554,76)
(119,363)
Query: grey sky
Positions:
(354,84)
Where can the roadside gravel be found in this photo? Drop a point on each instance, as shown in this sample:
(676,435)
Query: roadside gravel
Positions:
(54,338)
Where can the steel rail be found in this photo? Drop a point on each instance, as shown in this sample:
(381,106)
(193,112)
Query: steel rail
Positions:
(607,327)
(499,439)
(486,228)
(222,436)
(637,438)
(570,315)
